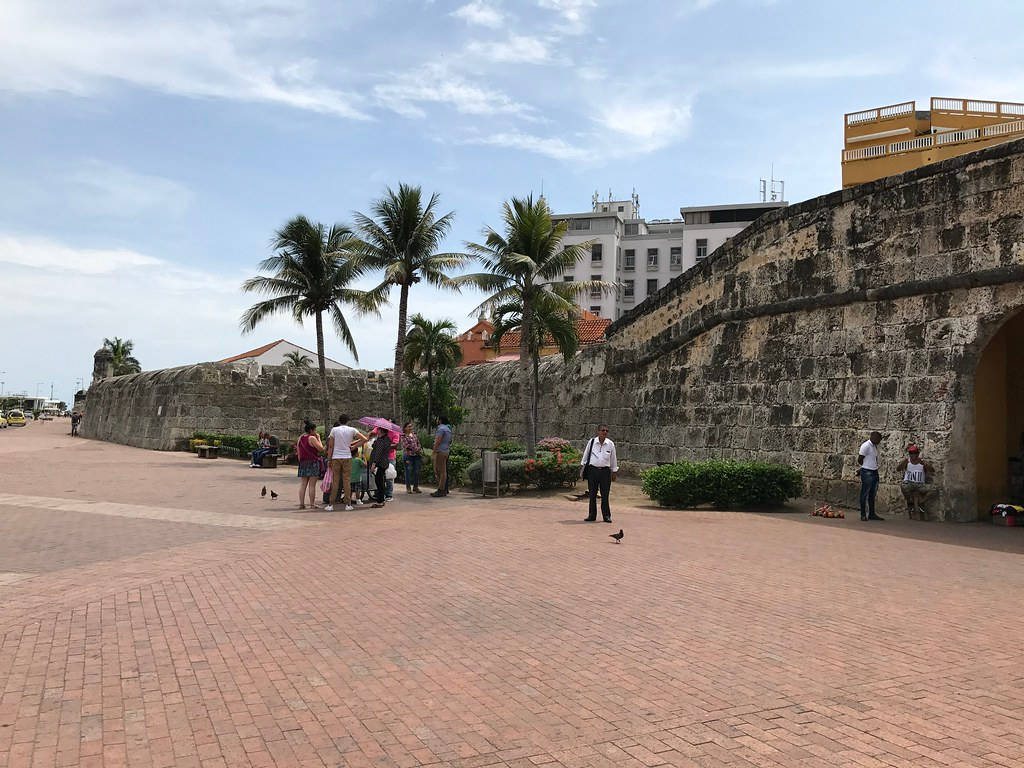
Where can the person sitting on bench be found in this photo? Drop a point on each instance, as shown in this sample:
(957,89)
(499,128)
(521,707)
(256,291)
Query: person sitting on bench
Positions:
(915,486)
(263,450)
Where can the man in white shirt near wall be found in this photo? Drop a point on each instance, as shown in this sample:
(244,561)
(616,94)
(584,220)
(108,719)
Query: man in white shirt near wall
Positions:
(339,451)
(600,466)
(867,458)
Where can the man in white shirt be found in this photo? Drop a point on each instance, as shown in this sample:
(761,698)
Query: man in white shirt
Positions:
(339,452)
(867,458)
(600,466)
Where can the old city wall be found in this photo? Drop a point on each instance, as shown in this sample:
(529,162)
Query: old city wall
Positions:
(864,309)
(162,409)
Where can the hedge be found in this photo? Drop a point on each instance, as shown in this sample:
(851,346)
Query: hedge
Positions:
(244,444)
(459,459)
(722,482)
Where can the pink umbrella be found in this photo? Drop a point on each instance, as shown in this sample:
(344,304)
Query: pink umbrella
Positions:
(376,421)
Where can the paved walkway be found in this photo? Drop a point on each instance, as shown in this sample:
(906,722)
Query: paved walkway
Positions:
(156,611)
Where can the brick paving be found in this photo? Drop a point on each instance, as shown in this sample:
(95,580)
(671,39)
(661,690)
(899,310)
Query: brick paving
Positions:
(155,611)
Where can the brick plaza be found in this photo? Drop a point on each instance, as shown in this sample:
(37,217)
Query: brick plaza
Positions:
(156,611)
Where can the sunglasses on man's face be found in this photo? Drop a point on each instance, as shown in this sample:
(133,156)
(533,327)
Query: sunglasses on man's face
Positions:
(602,430)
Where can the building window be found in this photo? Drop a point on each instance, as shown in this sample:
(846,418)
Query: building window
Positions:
(630,263)
(620,209)
(595,292)
(596,311)
(652,286)
(652,257)
(675,257)
(702,248)
(627,290)
(697,217)
(632,229)
(579,225)
(596,253)
(567,278)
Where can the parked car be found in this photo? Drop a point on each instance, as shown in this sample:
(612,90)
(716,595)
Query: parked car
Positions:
(15,418)
(3,421)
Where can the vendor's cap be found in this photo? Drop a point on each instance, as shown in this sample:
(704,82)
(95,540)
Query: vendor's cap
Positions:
(912,448)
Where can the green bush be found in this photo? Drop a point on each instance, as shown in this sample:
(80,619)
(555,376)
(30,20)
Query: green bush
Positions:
(509,446)
(547,470)
(245,444)
(721,482)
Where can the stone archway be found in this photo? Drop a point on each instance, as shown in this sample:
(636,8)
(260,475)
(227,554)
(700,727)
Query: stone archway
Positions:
(999,417)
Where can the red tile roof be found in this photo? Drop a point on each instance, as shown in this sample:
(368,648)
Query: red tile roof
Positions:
(252,352)
(589,328)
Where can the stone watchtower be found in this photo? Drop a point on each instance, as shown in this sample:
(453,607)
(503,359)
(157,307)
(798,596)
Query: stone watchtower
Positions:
(102,365)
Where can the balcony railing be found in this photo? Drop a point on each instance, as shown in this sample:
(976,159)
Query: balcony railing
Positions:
(975,107)
(881,113)
(943,139)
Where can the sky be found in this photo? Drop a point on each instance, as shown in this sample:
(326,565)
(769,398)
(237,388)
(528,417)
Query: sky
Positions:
(148,151)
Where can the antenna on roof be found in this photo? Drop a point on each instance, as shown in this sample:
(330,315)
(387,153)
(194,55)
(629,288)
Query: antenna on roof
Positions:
(636,204)
(768,191)
(594,199)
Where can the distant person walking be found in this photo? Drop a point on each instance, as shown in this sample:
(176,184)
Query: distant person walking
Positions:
(309,449)
(412,457)
(76,419)
(599,467)
(379,465)
(442,447)
(867,459)
(339,448)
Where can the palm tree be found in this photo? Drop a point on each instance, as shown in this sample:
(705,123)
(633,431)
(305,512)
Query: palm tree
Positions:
(524,267)
(297,360)
(431,346)
(121,349)
(310,275)
(402,238)
(552,325)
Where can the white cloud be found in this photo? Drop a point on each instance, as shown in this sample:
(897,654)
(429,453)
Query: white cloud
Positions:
(41,254)
(515,49)
(556,148)
(574,12)
(436,84)
(647,126)
(218,49)
(480,13)
(101,189)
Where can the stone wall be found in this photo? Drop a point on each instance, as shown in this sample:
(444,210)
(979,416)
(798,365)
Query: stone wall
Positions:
(162,409)
(864,309)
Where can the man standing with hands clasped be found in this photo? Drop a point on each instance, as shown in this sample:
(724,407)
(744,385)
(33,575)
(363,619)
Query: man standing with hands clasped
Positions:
(599,466)
(867,458)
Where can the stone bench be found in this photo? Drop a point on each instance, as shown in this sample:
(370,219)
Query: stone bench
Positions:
(207,451)
(269,461)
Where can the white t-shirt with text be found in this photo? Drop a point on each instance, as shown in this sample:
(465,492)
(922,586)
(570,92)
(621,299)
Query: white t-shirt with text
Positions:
(870,453)
(343,437)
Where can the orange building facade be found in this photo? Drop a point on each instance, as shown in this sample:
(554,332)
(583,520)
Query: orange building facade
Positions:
(888,140)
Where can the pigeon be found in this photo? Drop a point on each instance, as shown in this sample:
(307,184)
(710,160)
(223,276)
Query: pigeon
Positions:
(273,495)
(264,491)
(617,536)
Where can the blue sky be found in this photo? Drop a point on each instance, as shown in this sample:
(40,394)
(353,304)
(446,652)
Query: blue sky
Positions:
(149,150)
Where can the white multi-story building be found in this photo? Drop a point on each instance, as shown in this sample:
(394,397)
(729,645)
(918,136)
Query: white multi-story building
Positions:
(641,255)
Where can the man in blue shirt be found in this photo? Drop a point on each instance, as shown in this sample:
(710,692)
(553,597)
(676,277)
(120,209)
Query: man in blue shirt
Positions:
(442,447)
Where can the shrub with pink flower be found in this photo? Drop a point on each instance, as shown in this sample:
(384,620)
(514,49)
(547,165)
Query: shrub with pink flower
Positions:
(553,445)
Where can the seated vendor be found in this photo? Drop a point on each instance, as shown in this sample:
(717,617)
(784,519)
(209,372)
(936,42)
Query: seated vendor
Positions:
(915,486)
(262,450)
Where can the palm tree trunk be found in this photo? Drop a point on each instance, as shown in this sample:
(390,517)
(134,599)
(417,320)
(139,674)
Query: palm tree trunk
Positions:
(396,387)
(323,372)
(430,397)
(536,393)
(529,425)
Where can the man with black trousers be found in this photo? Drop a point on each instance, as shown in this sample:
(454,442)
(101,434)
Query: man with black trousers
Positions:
(599,466)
